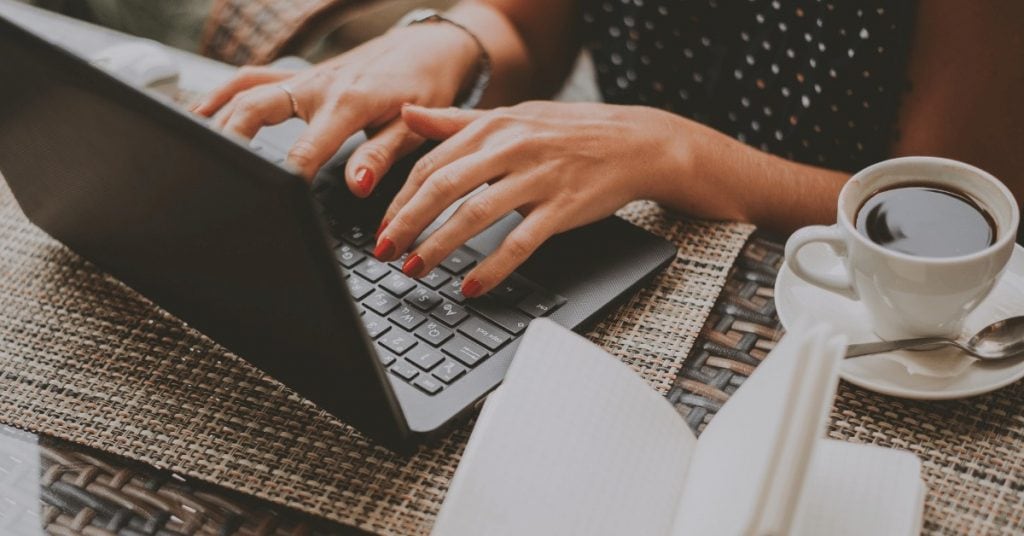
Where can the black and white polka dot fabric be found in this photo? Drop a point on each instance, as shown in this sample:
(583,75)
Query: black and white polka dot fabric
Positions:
(816,81)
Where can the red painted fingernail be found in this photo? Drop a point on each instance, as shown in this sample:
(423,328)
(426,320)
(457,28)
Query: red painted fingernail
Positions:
(413,266)
(383,225)
(364,180)
(471,288)
(385,249)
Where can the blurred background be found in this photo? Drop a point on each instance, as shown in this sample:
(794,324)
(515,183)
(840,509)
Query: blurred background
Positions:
(336,25)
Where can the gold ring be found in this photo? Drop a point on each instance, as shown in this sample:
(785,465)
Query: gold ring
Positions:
(291,98)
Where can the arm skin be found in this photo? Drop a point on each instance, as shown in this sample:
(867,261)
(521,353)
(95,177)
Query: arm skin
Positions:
(561,166)
(963,52)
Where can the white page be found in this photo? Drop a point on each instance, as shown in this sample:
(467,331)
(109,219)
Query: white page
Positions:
(861,489)
(573,442)
(750,462)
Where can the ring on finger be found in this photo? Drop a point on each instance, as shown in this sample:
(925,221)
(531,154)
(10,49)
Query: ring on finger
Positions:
(291,98)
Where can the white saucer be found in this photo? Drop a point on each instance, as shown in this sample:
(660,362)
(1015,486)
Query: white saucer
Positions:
(937,375)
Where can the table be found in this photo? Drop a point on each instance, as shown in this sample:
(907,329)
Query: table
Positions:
(970,448)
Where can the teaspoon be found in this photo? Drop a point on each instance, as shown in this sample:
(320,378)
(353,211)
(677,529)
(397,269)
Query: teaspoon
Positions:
(999,340)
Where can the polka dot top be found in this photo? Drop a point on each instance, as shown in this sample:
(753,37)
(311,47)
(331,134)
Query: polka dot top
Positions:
(815,81)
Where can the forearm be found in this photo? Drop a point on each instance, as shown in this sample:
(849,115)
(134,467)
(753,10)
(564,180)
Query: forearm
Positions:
(720,178)
(531,43)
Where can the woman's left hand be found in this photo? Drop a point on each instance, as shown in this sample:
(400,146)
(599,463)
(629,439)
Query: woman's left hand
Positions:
(560,165)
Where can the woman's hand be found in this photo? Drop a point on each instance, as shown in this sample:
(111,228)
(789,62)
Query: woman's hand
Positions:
(560,165)
(364,88)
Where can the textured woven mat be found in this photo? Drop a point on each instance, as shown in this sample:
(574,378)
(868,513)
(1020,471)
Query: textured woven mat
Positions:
(85,359)
(970,449)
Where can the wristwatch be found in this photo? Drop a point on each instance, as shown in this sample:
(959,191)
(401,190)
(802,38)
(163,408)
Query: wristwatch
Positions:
(483,78)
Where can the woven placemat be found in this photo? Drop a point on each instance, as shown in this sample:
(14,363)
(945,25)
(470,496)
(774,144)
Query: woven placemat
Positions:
(84,358)
(970,449)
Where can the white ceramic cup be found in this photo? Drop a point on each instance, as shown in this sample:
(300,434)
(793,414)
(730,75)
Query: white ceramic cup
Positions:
(907,295)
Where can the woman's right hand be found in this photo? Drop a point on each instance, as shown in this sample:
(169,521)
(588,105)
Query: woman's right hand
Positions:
(426,64)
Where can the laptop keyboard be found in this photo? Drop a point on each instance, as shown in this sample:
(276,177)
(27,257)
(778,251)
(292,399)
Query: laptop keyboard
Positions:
(427,333)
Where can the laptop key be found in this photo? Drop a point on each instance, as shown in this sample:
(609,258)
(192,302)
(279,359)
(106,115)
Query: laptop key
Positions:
(386,359)
(423,299)
(348,256)
(484,333)
(435,278)
(453,291)
(357,237)
(399,262)
(434,333)
(465,351)
(428,384)
(449,313)
(540,303)
(397,341)
(373,270)
(503,315)
(458,262)
(375,325)
(381,303)
(403,369)
(407,318)
(425,357)
(512,289)
(397,284)
(449,371)
(358,287)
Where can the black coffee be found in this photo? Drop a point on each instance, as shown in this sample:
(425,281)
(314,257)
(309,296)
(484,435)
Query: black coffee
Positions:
(926,221)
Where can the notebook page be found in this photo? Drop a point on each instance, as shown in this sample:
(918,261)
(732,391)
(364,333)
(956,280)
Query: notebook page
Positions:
(744,454)
(861,489)
(573,442)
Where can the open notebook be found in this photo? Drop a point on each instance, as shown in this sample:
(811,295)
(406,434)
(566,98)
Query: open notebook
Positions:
(574,442)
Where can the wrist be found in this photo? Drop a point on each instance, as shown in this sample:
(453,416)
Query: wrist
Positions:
(675,145)
(452,55)
(471,93)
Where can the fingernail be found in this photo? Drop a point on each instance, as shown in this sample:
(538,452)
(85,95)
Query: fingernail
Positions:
(471,288)
(364,180)
(383,225)
(385,249)
(413,266)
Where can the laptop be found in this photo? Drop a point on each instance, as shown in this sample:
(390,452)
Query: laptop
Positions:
(221,233)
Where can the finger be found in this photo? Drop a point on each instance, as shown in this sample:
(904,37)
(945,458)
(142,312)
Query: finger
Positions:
(513,251)
(374,158)
(256,108)
(329,127)
(465,142)
(443,188)
(246,78)
(473,216)
(438,123)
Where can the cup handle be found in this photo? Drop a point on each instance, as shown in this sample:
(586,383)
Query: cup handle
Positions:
(839,283)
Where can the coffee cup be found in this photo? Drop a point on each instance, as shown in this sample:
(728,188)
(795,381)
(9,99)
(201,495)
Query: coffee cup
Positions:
(908,294)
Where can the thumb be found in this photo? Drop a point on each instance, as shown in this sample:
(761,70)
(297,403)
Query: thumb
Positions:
(437,123)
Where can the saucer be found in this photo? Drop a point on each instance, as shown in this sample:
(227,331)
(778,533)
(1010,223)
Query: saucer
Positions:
(941,374)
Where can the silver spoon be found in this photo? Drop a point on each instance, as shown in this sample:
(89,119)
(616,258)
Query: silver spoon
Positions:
(999,340)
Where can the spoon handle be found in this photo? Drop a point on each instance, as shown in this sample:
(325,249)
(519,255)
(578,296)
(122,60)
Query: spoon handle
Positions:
(868,348)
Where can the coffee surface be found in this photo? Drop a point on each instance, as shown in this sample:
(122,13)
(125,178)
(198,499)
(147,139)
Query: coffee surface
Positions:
(926,221)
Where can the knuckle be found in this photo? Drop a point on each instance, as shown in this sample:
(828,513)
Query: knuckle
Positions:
(349,95)
(443,184)
(377,155)
(478,210)
(302,153)
(519,245)
(422,167)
